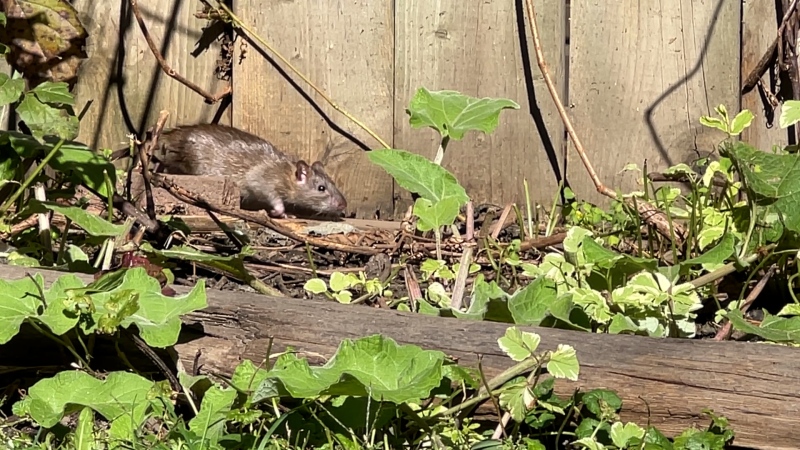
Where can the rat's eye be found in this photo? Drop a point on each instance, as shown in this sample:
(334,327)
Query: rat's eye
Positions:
(321,188)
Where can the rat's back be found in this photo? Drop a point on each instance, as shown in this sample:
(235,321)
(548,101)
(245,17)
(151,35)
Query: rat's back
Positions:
(215,150)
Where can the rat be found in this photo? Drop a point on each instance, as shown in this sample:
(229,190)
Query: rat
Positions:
(268,179)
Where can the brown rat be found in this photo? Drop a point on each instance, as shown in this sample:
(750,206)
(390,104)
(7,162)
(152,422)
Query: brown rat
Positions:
(268,179)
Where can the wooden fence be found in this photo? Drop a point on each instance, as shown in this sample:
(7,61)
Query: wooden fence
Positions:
(635,77)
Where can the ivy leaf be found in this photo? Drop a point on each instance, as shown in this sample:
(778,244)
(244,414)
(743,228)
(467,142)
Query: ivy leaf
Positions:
(716,257)
(621,434)
(790,113)
(210,420)
(741,121)
(316,285)
(564,363)
(773,179)
(452,114)
(518,344)
(233,264)
(18,302)
(529,305)
(773,328)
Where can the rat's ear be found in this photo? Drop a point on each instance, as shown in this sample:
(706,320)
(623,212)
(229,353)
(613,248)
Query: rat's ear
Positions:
(301,171)
(318,166)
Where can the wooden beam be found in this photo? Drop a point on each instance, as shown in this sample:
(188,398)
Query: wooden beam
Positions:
(756,386)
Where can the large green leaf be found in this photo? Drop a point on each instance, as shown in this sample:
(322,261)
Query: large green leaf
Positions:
(452,114)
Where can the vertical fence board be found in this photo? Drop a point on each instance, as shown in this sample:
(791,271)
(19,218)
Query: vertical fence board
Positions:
(122,78)
(345,49)
(475,48)
(678,59)
(760,29)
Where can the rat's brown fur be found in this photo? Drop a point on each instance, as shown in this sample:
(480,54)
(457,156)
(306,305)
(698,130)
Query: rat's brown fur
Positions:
(268,179)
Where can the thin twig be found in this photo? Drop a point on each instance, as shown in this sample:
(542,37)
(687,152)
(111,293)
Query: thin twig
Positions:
(537,45)
(763,63)
(169,70)
(725,332)
(461,279)
(237,22)
(145,151)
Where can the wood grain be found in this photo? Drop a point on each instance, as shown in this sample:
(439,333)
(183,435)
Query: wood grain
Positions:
(345,49)
(476,48)
(122,79)
(760,28)
(756,386)
(641,75)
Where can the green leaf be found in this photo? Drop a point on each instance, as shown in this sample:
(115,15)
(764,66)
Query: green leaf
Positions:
(564,363)
(773,179)
(741,121)
(713,122)
(316,286)
(340,281)
(58,300)
(233,264)
(514,396)
(790,113)
(374,366)
(432,216)
(84,431)
(419,175)
(773,328)
(45,120)
(19,300)
(528,306)
(73,158)
(210,420)
(452,114)
(10,89)
(622,434)
(54,92)
(122,399)
(91,223)
(518,344)
(599,400)
(717,256)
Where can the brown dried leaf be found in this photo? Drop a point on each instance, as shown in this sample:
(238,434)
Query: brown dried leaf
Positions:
(46,38)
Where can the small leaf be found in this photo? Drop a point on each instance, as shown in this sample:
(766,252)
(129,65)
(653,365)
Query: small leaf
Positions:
(84,439)
(339,282)
(741,121)
(622,434)
(10,89)
(453,114)
(790,113)
(564,363)
(210,420)
(315,286)
(518,344)
(432,216)
(713,122)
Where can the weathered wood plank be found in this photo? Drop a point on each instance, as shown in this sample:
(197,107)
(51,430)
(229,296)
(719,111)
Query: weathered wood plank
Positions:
(665,381)
(345,49)
(641,75)
(476,48)
(122,78)
(760,27)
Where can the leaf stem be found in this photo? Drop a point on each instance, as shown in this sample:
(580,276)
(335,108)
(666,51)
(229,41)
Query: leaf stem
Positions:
(440,151)
(25,184)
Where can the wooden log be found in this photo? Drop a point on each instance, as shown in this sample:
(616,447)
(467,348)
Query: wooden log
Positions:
(756,386)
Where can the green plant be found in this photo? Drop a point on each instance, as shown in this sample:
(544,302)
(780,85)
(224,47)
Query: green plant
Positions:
(343,285)
(452,115)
